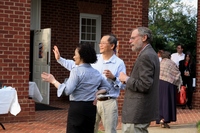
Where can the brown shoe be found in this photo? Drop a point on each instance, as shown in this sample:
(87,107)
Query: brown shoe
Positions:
(166,125)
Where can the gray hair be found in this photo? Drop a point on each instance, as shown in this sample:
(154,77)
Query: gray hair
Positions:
(166,54)
(145,31)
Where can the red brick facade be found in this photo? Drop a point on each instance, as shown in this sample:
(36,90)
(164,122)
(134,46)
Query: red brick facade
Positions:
(126,16)
(62,16)
(14,57)
(196,95)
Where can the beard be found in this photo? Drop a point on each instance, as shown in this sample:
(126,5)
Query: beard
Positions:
(137,47)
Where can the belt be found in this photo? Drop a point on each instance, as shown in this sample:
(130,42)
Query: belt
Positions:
(105,98)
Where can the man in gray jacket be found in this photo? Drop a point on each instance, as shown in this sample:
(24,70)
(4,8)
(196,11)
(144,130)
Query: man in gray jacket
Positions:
(140,105)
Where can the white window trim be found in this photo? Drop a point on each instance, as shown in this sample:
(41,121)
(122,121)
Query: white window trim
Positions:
(98,28)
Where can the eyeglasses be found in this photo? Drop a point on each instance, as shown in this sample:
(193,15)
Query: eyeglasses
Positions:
(104,43)
(133,38)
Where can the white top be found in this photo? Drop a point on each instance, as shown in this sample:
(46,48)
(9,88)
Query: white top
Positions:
(160,58)
(9,101)
(176,57)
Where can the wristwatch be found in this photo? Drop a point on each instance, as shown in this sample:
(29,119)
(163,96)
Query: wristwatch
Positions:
(114,79)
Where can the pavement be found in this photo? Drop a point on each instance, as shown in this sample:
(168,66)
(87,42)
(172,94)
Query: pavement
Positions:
(182,128)
(54,121)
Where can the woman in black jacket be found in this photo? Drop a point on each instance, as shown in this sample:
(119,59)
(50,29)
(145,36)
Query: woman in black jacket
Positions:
(187,68)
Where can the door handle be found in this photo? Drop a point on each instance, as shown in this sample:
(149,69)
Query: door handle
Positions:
(48,58)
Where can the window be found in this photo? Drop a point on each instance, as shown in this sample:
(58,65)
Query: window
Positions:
(90,29)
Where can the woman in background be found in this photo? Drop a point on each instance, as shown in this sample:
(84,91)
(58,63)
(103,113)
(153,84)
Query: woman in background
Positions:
(82,86)
(170,78)
(159,54)
(187,69)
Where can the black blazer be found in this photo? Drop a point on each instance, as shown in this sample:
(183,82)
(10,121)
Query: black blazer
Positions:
(190,67)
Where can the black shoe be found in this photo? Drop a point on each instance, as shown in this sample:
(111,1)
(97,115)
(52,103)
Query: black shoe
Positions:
(183,107)
(190,107)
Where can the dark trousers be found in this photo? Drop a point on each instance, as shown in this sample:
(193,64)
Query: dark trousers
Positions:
(189,91)
(81,117)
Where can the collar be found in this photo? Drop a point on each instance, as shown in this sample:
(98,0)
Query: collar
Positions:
(111,60)
(84,65)
(143,49)
(180,54)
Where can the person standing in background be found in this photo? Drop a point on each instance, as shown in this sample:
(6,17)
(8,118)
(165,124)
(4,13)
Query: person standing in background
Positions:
(176,57)
(110,66)
(159,54)
(188,70)
(140,105)
(170,79)
(82,86)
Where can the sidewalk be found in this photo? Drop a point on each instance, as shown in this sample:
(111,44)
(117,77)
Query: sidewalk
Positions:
(54,121)
(183,128)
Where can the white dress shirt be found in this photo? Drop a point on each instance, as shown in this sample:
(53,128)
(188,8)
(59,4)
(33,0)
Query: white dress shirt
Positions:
(176,57)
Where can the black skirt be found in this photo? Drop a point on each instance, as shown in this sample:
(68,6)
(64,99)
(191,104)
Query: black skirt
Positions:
(81,117)
(167,102)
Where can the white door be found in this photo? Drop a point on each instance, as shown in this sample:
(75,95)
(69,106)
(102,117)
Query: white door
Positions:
(41,60)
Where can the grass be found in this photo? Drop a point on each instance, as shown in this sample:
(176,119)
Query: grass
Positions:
(198,126)
(100,132)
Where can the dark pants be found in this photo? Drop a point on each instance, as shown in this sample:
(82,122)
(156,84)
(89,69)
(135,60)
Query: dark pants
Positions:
(81,117)
(188,81)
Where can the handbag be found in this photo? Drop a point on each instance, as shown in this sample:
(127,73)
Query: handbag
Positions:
(182,95)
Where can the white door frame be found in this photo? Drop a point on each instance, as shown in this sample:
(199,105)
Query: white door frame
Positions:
(35,24)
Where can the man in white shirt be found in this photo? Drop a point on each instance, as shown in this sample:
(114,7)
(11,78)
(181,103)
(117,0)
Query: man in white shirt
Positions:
(176,57)
(110,66)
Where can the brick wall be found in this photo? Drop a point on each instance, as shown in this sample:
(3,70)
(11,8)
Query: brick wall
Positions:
(196,95)
(14,56)
(127,15)
(145,12)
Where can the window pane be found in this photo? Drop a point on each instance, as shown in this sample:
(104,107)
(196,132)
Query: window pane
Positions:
(93,29)
(88,21)
(94,22)
(88,37)
(83,29)
(89,29)
(83,21)
(83,36)
(93,37)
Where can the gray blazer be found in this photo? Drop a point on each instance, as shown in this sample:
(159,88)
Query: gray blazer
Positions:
(141,93)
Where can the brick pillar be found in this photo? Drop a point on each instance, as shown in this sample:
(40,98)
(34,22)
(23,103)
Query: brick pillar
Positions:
(145,13)
(127,15)
(196,95)
(14,56)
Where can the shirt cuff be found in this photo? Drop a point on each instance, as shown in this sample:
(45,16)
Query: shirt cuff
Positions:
(127,79)
(60,60)
(60,90)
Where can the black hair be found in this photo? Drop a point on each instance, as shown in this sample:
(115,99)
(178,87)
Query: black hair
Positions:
(190,56)
(87,52)
(112,40)
(182,46)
